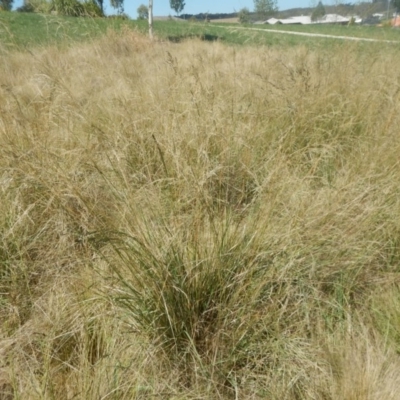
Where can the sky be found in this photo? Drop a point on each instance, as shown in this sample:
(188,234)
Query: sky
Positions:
(162,8)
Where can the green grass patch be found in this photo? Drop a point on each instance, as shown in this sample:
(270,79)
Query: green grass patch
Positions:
(26,30)
(360,31)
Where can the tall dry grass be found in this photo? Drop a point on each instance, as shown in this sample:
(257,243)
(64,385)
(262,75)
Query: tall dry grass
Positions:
(199,221)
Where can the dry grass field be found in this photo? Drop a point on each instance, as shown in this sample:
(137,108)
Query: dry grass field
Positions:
(198,221)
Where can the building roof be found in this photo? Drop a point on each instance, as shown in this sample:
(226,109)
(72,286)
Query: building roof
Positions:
(333,18)
(303,20)
(396,21)
(306,20)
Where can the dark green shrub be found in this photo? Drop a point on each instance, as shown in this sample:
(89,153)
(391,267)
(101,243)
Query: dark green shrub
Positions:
(67,7)
(92,9)
(26,8)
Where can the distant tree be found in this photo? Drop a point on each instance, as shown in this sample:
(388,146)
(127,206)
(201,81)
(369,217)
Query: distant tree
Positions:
(177,5)
(244,15)
(100,3)
(118,5)
(318,12)
(265,8)
(396,5)
(142,12)
(6,5)
(93,8)
(26,7)
(365,10)
(72,8)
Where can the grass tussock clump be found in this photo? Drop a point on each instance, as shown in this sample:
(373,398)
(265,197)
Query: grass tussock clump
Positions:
(199,221)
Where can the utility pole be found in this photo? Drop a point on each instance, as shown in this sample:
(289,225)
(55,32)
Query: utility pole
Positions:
(151,19)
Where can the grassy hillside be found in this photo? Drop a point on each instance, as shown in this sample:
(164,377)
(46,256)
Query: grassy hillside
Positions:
(199,221)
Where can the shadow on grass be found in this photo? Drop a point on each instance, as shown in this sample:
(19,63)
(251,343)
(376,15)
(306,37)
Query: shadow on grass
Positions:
(204,37)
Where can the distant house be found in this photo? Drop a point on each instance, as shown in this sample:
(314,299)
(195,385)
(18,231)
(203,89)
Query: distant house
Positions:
(333,19)
(303,20)
(306,20)
(396,21)
(337,19)
(372,20)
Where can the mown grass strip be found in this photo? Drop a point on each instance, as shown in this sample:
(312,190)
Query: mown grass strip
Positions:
(321,35)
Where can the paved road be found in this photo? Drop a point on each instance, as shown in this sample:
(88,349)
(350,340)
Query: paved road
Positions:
(315,35)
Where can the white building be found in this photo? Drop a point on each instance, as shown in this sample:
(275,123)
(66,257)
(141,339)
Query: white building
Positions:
(306,20)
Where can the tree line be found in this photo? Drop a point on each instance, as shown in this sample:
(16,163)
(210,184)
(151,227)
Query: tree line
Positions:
(81,7)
